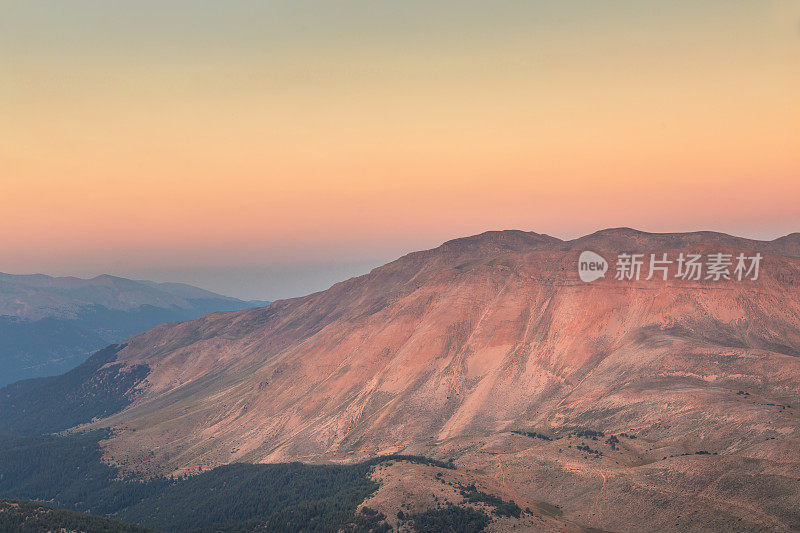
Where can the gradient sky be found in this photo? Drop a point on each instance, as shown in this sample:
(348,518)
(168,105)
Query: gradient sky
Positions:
(266,149)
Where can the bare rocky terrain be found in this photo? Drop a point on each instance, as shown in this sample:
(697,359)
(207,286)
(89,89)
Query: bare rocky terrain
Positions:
(621,405)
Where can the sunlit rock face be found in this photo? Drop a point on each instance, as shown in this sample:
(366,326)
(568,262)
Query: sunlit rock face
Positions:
(450,352)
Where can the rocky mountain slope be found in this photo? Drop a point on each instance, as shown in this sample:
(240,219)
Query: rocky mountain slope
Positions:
(49,325)
(628,405)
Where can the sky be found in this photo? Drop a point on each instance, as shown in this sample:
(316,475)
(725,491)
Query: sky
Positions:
(266,149)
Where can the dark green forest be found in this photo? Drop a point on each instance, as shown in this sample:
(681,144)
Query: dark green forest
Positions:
(67,471)
(28,517)
(450,518)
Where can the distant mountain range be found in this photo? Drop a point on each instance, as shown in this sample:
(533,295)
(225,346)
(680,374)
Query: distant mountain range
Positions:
(49,325)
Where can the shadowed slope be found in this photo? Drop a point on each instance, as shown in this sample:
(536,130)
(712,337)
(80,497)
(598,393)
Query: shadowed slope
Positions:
(95,389)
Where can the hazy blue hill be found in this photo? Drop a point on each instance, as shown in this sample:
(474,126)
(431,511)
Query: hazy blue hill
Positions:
(50,325)
(42,347)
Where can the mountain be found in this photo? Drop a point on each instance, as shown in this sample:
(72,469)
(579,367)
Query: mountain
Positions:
(50,325)
(626,405)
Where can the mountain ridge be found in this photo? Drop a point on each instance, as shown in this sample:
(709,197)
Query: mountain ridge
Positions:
(466,350)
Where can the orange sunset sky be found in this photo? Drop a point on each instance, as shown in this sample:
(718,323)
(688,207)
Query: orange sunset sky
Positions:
(267,149)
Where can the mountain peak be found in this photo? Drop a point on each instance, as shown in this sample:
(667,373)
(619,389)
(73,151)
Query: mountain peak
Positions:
(509,237)
(498,241)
